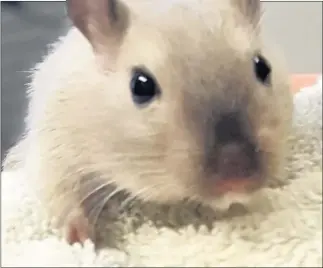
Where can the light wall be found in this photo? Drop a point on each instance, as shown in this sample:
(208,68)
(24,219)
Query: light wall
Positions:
(297,28)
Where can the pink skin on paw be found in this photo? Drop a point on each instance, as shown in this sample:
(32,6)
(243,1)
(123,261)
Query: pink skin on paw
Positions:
(77,229)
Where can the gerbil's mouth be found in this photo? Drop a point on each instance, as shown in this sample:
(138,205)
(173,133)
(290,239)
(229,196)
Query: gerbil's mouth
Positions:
(236,169)
(224,193)
(246,185)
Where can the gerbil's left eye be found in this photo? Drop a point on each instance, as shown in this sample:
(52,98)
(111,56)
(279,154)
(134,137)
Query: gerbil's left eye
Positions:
(143,87)
(262,69)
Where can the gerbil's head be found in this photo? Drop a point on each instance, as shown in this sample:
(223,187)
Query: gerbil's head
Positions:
(188,102)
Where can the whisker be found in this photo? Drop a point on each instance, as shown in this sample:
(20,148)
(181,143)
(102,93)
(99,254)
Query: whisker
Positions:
(158,155)
(94,191)
(98,207)
(132,197)
(28,72)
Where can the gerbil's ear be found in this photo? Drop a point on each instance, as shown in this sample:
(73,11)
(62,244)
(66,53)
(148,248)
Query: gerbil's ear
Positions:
(251,9)
(102,22)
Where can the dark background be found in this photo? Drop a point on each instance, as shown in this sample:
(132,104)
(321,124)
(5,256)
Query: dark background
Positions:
(26,30)
(28,27)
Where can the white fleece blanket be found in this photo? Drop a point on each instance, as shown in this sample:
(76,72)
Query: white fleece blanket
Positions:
(286,230)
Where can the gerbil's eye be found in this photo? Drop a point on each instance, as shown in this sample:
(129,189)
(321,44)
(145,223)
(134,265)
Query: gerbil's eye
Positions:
(262,69)
(143,87)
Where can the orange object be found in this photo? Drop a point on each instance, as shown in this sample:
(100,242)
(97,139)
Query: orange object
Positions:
(299,81)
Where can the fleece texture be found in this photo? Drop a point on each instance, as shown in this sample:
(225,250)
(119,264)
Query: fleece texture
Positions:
(283,230)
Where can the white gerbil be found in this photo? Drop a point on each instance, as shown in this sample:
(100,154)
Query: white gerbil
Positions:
(163,99)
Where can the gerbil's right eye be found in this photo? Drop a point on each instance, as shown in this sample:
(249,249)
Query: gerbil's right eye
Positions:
(262,69)
(143,87)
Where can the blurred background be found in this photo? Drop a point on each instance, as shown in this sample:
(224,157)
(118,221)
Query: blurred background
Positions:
(28,27)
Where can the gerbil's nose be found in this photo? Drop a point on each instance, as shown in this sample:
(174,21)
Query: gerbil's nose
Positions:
(236,160)
(236,155)
(229,128)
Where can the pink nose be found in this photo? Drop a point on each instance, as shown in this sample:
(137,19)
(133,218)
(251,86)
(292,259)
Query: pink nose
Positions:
(236,161)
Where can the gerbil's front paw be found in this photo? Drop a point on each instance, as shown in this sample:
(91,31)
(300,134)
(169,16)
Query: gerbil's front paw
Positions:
(77,228)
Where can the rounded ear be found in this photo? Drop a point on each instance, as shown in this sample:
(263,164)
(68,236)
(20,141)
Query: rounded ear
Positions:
(250,9)
(102,22)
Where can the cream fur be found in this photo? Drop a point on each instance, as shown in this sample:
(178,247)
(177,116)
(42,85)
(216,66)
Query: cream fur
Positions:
(284,231)
(79,109)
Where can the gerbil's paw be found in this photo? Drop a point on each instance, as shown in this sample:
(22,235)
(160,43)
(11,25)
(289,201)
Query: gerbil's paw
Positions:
(77,228)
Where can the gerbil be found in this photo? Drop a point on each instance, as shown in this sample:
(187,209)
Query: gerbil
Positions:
(163,99)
